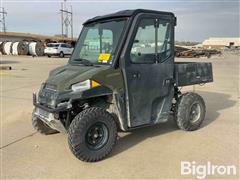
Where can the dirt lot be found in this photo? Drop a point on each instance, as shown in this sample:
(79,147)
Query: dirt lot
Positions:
(153,152)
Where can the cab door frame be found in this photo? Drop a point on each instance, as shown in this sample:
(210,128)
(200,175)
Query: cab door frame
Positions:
(125,63)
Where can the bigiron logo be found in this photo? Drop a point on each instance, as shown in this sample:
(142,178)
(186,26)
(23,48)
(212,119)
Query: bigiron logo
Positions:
(201,171)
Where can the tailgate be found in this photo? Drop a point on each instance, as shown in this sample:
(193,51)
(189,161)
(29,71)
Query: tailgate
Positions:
(190,73)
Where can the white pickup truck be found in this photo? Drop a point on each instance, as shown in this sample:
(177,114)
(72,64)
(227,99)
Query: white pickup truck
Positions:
(58,49)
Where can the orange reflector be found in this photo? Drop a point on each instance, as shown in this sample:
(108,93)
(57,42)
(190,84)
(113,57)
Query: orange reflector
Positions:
(94,84)
(104,57)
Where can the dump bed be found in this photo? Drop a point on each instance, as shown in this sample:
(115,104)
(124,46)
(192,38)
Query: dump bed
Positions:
(190,73)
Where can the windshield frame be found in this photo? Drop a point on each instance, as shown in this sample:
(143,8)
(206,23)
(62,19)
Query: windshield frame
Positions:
(118,45)
(53,45)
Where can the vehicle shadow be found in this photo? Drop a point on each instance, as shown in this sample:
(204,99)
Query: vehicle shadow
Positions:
(215,102)
(138,135)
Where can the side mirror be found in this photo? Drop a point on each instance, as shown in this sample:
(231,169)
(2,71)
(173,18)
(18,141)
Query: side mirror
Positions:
(136,41)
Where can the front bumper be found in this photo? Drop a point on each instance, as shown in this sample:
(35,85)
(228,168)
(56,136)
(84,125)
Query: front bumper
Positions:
(46,114)
(48,118)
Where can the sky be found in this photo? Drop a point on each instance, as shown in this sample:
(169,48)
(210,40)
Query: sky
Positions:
(196,19)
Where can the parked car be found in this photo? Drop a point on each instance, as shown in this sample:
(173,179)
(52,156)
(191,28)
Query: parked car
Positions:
(58,49)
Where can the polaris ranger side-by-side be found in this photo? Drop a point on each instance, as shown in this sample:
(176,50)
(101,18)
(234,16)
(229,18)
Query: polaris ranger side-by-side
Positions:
(121,76)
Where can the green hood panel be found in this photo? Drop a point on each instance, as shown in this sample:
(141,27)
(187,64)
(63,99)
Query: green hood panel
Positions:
(63,77)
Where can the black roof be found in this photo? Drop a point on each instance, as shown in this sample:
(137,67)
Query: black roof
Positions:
(125,13)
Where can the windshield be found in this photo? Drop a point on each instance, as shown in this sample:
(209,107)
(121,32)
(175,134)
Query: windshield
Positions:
(52,45)
(98,42)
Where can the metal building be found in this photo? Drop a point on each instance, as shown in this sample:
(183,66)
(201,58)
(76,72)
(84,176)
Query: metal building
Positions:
(222,42)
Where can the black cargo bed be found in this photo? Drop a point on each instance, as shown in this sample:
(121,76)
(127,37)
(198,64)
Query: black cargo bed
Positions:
(190,73)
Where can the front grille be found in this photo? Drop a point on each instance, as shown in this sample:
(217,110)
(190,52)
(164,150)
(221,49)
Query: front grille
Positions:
(50,87)
(43,113)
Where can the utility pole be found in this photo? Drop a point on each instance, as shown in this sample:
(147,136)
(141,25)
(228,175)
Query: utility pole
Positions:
(71,23)
(62,18)
(3,13)
(66,19)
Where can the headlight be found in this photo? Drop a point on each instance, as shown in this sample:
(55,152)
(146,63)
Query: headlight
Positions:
(82,86)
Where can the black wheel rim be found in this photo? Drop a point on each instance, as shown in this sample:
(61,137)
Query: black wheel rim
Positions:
(195,113)
(97,136)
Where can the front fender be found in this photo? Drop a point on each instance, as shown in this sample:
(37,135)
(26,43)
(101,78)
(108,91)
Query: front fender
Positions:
(96,92)
(90,93)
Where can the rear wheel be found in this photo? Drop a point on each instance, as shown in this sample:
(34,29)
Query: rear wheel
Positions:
(41,127)
(208,55)
(49,55)
(92,134)
(190,111)
(61,55)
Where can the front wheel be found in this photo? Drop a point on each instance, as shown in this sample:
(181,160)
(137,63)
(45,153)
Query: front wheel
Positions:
(190,111)
(92,134)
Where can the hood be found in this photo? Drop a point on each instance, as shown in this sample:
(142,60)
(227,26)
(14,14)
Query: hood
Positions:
(63,77)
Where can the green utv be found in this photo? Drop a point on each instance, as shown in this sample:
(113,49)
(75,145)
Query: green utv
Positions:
(121,76)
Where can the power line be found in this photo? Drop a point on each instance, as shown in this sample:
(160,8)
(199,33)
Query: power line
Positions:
(66,19)
(3,13)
